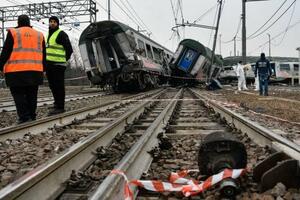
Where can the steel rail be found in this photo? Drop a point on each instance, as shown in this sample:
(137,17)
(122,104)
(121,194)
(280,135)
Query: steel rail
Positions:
(10,105)
(137,160)
(66,118)
(258,133)
(269,97)
(46,181)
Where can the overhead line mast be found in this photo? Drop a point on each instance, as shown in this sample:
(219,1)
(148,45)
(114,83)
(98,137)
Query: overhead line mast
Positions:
(37,11)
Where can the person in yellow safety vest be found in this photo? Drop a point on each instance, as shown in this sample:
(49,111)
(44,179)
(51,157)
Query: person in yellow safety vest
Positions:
(22,61)
(59,51)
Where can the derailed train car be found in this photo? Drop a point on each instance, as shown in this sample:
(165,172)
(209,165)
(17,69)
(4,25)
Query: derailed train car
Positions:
(191,64)
(116,55)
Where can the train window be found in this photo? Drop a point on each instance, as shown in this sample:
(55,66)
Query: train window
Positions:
(296,67)
(216,71)
(149,52)
(205,67)
(141,48)
(156,53)
(285,67)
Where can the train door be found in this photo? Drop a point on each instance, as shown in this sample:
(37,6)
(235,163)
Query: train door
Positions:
(273,68)
(296,70)
(113,56)
(98,54)
(90,54)
(107,56)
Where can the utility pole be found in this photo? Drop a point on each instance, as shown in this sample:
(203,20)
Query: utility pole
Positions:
(298,49)
(244,49)
(220,44)
(217,28)
(215,42)
(234,43)
(108,9)
(269,46)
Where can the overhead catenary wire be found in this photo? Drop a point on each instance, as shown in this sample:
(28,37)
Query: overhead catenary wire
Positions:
(279,34)
(274,21)
(175,15)
(173,11)
(208,11)
(181,9)
(214,22)
(103,8)
(267,20)
(131,18)
(16,2)
(287,26)
(236,33)
(140,25)
(12,1)
(138,17)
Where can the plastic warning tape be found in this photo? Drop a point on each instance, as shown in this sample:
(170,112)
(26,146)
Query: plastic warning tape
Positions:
(178,183)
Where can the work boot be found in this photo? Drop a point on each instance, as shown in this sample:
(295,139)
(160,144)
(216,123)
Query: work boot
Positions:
(56,111)
(53,107)
(22,121)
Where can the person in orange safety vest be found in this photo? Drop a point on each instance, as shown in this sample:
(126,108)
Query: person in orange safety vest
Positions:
(22,62)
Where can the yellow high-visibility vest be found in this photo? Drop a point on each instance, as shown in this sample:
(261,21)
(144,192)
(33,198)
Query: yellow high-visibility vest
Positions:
(55,52)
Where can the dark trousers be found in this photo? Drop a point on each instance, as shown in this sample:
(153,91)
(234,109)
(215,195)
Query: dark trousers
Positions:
(26,101)
(263,84)
(56,78)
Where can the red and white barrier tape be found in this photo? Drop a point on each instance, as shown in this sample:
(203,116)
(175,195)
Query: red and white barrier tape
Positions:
(128,194)
(178,183)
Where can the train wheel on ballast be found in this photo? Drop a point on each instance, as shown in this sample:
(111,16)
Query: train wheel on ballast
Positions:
(154,82)
(141,81)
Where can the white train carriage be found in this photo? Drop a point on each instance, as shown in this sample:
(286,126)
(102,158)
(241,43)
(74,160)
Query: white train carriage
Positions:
(281,72)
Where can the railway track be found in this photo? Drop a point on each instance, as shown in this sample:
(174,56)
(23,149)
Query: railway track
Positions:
(287,100)
(133,140)
(8,104)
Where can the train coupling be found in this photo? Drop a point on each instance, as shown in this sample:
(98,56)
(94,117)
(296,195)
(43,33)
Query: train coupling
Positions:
(277,168)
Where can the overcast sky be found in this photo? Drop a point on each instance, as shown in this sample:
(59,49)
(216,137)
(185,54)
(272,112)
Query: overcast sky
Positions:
(157,15)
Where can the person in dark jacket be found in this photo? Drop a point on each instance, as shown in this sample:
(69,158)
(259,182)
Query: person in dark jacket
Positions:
(59,51)
(263,71)
(22,61)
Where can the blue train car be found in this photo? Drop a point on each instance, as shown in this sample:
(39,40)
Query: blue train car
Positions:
(194,63)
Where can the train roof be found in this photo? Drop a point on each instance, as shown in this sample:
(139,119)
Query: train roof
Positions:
(98,29)
(200,48)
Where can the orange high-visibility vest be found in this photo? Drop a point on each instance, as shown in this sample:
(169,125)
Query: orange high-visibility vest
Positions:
(27,53)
